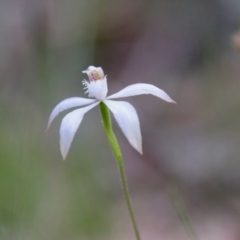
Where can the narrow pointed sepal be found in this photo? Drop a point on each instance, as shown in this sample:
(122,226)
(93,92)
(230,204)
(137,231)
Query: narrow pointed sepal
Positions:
(127,119)
(67,104)
(139,89)
(69,126)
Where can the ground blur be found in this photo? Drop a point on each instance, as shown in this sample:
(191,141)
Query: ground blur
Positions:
(191,159)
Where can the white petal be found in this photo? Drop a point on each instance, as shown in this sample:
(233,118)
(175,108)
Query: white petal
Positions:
(66,104)
(69,126)
(141,88)
(127,118)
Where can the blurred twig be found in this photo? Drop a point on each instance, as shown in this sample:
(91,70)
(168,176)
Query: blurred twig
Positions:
(176,196)
(180,207)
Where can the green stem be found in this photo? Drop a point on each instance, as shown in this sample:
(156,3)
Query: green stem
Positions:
(118,155)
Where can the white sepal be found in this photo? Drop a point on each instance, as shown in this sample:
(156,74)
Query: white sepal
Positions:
(69,126)
(66,104)
(127,118)
(141,88)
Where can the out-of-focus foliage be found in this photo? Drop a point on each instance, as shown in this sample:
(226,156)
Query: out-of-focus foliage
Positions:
(183,47)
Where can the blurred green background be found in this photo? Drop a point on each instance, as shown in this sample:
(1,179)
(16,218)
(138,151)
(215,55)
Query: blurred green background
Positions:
(183,47)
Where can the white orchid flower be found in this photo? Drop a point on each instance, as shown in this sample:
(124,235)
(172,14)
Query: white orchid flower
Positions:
(124,113)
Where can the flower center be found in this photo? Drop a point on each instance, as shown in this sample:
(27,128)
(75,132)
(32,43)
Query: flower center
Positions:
(95,75)
(96,87)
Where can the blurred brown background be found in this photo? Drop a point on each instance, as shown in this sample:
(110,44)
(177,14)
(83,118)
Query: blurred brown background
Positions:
(191,149)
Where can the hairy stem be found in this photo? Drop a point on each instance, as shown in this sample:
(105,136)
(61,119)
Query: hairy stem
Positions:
(118,155)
